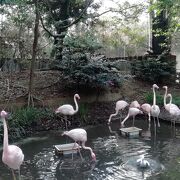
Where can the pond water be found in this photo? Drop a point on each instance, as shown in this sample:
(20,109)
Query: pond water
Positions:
(116,155)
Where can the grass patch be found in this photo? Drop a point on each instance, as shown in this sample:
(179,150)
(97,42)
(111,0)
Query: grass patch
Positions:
(160,99)
(149,98)
(22,118)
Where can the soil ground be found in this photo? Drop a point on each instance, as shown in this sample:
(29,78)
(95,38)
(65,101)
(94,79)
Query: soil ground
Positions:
(49,87)
(48,84)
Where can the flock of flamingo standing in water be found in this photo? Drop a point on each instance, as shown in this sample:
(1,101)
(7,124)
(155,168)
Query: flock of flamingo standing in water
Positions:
(13,156)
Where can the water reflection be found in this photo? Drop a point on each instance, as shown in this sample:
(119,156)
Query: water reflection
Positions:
(116,155)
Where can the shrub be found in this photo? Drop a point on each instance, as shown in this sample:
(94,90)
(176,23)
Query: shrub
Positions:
(83,111)
(155,70)
(25,116)
(21,119)
(81,72)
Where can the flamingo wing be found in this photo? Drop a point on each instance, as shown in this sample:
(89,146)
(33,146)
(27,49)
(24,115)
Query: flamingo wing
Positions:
(66,109)
(14,157)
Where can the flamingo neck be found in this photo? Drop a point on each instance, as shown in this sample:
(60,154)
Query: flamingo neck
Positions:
(165,97)
(125,119)
(109,120)
(76,105)
(88,148)
(154,97)
(5,141)
(170,100)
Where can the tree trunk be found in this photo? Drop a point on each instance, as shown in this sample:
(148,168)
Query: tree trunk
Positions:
(160,42)
(34,51)
(58,43)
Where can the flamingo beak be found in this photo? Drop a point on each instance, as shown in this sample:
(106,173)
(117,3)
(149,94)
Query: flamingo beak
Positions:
(94,157)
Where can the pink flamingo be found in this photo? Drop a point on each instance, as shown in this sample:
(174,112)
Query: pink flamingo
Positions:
(80,135)
(12,155)
(68,109)
(120,105)
(146,108)
(155,111)
(135,104)
(173,110)
(167,106)
(132,112)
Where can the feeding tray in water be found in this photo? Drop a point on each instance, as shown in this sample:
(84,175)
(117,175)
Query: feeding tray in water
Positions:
(131,132)
(66,149)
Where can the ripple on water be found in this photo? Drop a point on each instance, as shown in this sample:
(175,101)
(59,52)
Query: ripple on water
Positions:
(120,155)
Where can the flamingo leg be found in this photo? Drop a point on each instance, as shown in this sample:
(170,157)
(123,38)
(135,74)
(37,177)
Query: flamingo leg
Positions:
(154,122)
(72,150)
(154,128)
(158,121)
(120,117)
(66,122)
(19,174)
(149,115)
(174,127)
(80,154)
(133,120)
(14,177)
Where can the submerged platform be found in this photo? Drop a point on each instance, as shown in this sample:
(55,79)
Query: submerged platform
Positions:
(67,149)
(131,132)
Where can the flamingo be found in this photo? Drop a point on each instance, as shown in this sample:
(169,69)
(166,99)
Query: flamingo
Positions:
(167,106)
(155,111)
(132,112)
(146,108)
(68,109)
(12,155)
(141,162)
(80,135)
(135,104)
(173,110)
(120,105)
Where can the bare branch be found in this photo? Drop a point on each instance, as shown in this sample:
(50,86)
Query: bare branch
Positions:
(51,34)
(116,11)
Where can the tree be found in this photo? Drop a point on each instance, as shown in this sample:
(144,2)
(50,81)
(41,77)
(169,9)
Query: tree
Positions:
(34,51)
(165,24)
(60,16)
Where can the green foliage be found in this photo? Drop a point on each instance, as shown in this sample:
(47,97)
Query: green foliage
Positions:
(24,118)
(172,11)
(81,71)
(87,41)
(154,70)
(160,99)
(176,100)
(83,110)
(149,98)
(84,74)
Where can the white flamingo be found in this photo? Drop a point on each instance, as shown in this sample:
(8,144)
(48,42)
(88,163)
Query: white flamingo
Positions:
(68,109)
(80,135)
(167,106)
(132,112)
(146,108)
(155,111)
(120,105)
(143,163)
(12,155)
(173,110)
